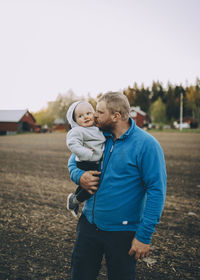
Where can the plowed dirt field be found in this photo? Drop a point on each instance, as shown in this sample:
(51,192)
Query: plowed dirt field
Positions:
(37,233)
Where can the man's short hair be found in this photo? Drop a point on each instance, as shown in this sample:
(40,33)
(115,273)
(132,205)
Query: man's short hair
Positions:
(116,102)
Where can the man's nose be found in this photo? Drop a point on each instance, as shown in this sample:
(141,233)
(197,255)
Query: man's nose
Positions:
(95,114)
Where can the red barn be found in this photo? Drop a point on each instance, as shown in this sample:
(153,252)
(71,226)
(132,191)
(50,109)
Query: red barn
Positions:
(13,121)
(139,116)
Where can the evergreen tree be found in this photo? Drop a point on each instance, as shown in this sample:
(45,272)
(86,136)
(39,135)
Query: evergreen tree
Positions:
(193,101)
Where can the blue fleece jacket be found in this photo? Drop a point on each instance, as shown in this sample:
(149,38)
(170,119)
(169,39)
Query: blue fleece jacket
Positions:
(132,187)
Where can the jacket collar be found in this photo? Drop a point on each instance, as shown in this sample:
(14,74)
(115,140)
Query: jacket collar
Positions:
(127,133)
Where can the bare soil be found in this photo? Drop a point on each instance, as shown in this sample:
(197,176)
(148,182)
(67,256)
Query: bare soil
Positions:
(37,233)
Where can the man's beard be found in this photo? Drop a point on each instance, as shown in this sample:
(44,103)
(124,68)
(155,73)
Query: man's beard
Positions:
(107,126)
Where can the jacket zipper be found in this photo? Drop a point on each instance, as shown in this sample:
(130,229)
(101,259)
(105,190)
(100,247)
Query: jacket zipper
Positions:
(102,178)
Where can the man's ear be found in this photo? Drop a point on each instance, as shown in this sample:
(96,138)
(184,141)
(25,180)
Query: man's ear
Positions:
(116,116)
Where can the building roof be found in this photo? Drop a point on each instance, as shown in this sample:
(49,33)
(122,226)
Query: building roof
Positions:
(137,110)
(59,121)
(12,115)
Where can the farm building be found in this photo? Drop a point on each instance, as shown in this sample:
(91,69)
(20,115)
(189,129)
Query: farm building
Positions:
(59,125)
(139,116)
(13,121)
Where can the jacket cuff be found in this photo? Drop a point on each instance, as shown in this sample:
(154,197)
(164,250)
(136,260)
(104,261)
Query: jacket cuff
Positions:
(76,178)
(145,240)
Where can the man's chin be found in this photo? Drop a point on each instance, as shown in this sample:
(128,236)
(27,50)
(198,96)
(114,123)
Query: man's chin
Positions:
(105,127)
(96,123)
(99,125)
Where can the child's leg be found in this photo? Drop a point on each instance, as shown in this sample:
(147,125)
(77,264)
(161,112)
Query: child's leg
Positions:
(81,194)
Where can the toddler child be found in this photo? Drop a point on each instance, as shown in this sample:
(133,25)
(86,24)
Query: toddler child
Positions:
(86,141)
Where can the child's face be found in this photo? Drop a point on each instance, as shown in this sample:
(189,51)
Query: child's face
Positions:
(84,114)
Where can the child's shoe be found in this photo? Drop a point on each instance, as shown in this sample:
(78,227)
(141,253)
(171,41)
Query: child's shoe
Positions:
(72,204)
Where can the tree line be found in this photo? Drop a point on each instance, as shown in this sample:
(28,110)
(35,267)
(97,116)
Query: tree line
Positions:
(161,104)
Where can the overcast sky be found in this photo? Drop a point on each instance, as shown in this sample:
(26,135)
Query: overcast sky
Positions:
(90,46)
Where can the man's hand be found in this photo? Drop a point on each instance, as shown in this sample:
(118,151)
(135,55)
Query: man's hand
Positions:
(139,249)
(89,181)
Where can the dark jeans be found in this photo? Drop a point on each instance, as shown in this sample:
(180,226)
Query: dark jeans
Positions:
(81,194)
(90,246)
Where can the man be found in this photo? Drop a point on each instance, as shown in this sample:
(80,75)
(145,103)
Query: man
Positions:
(120,217)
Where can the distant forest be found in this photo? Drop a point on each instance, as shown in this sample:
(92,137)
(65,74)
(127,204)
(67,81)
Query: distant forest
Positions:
(161,104)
